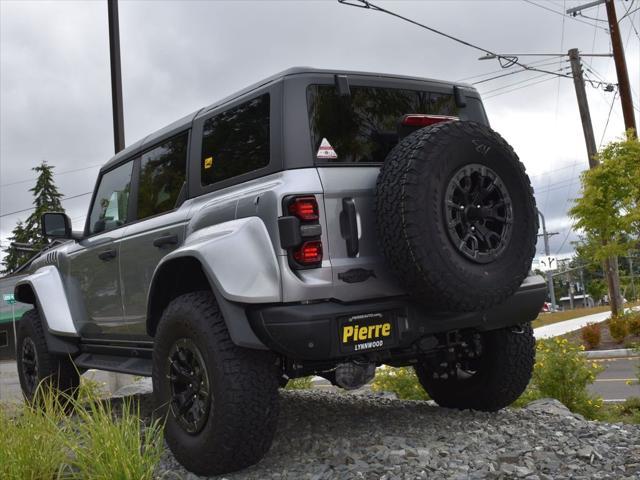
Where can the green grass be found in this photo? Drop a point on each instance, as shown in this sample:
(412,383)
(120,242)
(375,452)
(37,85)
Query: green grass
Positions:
(44,441)
(302,383)
(31,440)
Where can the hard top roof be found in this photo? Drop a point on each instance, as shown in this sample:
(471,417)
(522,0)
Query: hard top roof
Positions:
(186,120)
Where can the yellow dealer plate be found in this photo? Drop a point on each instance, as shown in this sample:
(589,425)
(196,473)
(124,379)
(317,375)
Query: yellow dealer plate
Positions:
(368,331)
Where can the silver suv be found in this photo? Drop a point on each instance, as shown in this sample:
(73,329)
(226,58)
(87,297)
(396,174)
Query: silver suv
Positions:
(317,223)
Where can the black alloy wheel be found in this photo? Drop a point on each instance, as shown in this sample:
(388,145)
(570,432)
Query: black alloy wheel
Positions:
(478,213)
(190,386)
(29,360)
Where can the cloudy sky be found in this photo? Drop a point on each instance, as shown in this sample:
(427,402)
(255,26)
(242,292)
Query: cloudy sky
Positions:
(178,56)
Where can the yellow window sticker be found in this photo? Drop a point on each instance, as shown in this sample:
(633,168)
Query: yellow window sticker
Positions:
(208,163)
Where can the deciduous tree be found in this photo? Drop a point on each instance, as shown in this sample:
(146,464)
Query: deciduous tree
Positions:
(608,210)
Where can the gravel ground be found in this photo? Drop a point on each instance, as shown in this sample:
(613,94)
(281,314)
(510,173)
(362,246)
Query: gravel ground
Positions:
(325,435)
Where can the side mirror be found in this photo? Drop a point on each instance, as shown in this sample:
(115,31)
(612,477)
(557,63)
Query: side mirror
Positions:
(56,225)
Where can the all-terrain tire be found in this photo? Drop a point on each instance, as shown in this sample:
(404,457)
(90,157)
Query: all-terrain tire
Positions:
(414,230)
(36,365)
(503,373)
(244,406)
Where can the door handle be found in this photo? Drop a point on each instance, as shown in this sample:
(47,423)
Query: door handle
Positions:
(107,255)
(166,240)
(349,226)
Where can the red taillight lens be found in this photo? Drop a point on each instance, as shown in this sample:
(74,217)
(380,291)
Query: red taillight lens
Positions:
(308,253)
(419,120)
(305,208)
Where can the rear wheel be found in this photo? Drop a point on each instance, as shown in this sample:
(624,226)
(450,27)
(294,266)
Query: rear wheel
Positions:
(490,382)
(220,400)
(36,365)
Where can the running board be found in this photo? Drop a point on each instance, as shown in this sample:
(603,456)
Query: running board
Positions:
(115,363)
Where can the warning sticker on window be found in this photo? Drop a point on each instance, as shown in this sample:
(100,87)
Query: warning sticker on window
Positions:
(326,151)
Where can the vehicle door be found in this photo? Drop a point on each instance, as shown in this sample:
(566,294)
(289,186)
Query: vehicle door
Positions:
(159,227)
(94,264)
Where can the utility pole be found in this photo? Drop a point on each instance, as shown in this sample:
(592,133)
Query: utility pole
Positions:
(116,75)
(621,68)
(583,105)
(552,292)
(624,88)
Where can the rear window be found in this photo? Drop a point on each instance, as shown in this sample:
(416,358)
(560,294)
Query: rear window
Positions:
(363,127)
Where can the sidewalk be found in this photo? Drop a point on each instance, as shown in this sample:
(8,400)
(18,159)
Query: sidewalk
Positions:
(560,328)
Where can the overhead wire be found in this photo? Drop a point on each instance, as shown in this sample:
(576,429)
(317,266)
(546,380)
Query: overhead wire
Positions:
(606,125)
(505,61)
(517,88)
(33,208)
(518,83)
(55,174)
(509,73)
(557,12)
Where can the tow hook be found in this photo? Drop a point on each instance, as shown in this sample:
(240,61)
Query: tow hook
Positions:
(352,375)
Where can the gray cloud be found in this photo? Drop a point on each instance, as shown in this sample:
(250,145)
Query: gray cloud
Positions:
(178,56)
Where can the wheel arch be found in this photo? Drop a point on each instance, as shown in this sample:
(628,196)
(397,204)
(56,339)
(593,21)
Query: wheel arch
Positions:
(45,291)
(183,274)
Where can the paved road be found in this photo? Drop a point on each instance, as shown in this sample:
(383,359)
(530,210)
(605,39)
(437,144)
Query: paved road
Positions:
(612,383)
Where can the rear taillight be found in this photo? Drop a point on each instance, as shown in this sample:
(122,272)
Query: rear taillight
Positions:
(309,253)
(300,231)
(305,208)
(421,120)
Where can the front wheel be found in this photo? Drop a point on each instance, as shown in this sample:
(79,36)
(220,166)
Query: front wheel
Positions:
(37,366)
(491,381)
(220,400)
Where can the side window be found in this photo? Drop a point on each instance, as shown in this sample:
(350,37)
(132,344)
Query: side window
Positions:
(162,176)
(236,141)
(109,209)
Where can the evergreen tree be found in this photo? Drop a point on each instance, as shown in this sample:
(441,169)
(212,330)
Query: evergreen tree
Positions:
(14,257)
(46,199)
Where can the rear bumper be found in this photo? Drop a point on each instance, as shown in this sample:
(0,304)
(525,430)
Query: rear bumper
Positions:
(311,332)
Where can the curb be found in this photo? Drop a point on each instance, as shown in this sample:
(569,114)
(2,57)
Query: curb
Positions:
(617,353)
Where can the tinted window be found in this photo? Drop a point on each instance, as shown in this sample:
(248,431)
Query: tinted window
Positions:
(236,141)
(162,176)
(363,127)
(109,209)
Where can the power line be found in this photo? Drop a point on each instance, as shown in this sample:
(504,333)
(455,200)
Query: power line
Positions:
(561,13)
(518,88)
(33,208)
(606,125)
(56,174)
(517,83)
(505,61)
(509,73)
(536,63)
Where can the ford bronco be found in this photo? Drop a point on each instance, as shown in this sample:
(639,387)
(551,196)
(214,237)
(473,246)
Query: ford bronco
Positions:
(317,223)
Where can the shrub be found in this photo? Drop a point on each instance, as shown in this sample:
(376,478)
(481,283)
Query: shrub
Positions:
(618,328)
(41,441)
(31,443)
(302,383)
(402,381)
(591,335)
(633,322)
(563,373)
(108,446)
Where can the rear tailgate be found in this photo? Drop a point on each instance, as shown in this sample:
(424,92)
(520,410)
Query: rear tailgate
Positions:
(358,268)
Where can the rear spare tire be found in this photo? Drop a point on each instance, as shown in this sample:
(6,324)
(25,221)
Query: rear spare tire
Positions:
(456,216)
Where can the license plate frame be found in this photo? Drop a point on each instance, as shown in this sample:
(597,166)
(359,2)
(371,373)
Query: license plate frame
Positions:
(369,332)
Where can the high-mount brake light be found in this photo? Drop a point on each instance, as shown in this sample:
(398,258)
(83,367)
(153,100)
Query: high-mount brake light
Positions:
(305,208)
(421,120)
(309,253)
